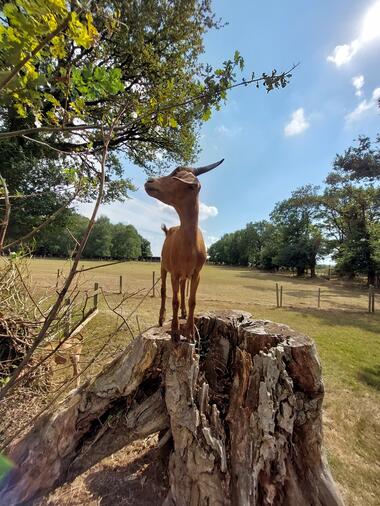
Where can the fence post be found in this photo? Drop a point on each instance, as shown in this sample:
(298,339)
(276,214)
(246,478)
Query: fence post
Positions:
(96,288)
(277,297)
(281,296)
(371,299)
(154,284)
(319,297)
(56,283)
(121,284)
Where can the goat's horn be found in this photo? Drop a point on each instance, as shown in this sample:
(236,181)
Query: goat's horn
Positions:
(202,170)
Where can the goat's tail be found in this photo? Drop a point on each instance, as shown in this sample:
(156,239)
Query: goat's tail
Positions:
(164,228)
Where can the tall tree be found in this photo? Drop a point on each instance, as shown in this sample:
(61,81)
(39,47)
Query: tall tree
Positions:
(146,251)
(301,237)
(99,244)
(126,242)
(351,209)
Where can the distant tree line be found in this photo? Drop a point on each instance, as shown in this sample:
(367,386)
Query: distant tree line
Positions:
(106,240)
(342,220)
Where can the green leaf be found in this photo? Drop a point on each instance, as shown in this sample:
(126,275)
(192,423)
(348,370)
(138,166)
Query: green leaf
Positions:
(206,115)
(5,466)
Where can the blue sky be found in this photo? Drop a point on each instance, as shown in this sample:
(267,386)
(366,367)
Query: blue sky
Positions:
(273,143)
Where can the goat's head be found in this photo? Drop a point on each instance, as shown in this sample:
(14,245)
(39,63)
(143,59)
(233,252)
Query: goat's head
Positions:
(179,186)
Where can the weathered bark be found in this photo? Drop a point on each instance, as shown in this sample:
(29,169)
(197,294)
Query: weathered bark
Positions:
(44,454)
(244,412)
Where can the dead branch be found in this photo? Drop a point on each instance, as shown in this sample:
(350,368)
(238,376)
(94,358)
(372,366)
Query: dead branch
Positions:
(7,211)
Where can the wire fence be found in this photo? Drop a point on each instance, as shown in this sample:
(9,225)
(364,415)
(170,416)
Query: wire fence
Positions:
(326,298)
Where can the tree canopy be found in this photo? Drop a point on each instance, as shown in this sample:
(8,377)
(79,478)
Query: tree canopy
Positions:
(106,241)
(86,62)
(69,71)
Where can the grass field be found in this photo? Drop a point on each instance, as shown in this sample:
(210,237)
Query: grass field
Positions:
(347,337)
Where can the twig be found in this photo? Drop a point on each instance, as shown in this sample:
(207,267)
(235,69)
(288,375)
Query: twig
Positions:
(4,224)
(99,266)
(56,306)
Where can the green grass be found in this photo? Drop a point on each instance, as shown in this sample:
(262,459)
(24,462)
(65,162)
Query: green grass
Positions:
(347,338)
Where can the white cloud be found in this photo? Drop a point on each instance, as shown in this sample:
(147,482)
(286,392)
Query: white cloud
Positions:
(297,123)
(343,54)
(206,212)
(370,30)
(358,83)
(364,106)
(376,94)
(147,217)
(229,131)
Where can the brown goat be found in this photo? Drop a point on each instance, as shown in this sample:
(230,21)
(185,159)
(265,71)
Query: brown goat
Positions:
(184,251)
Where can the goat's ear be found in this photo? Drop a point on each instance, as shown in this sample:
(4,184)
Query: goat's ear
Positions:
(189,180)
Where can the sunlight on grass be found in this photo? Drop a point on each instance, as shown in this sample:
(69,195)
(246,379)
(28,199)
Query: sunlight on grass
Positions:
(347,339)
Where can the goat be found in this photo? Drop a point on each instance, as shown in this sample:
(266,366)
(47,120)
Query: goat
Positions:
(184,251)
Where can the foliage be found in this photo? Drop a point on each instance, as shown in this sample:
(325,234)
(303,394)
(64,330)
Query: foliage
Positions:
(146,251)
(37,38)
(126,242)
(106,241)
(350,210)
(68,70)
(300,239)
(99,243)
(143,58)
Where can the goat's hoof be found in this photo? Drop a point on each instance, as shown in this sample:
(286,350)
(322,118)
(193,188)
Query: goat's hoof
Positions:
(160,322)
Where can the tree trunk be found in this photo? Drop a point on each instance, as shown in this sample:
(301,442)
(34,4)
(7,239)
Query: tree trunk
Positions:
(244,413)
(371,277)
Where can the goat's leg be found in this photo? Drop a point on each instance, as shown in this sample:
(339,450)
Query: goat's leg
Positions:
(175,322)
(74,358)
(183,299)
(163,296)
(190,333)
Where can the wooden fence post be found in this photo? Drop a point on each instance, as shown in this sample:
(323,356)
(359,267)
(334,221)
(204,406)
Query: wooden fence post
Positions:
(281,296)
(121,284)
(319,298)
(371,299)
(154,284)
(96,288)
(277,296)
(56,283)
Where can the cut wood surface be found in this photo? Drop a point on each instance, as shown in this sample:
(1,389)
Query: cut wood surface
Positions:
(243,406)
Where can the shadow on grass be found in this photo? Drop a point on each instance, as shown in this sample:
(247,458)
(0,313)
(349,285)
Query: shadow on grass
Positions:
(139,481)
(371,376)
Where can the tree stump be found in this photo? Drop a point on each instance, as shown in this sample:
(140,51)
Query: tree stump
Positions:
(243,407)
